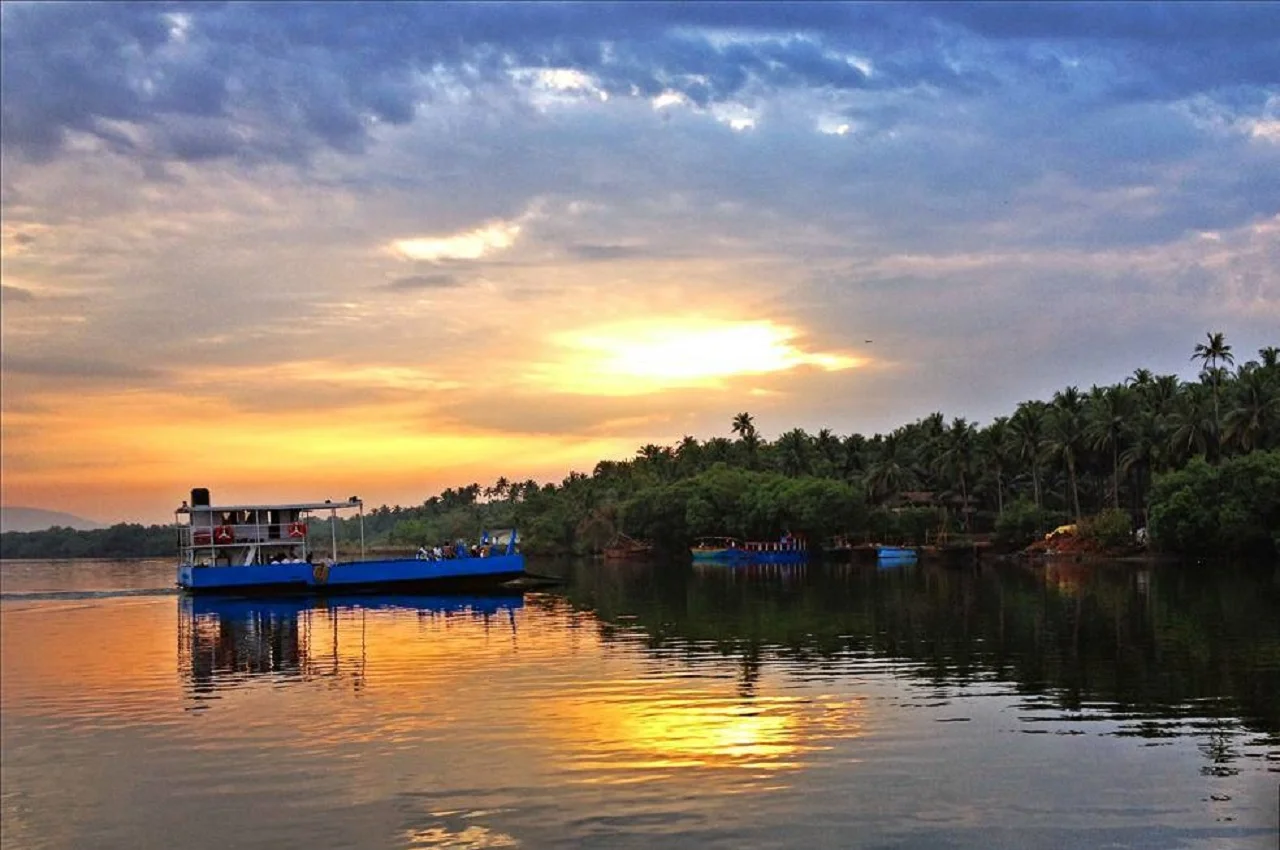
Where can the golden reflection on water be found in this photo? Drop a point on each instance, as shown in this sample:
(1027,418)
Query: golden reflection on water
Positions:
(423,671)
(469,838)
(621,738)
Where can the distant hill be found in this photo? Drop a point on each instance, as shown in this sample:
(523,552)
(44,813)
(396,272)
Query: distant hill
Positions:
(37,519)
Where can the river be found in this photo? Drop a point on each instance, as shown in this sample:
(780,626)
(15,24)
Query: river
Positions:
(648,706)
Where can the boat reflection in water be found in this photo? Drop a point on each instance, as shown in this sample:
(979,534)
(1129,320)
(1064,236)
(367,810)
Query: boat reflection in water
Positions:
(225,641)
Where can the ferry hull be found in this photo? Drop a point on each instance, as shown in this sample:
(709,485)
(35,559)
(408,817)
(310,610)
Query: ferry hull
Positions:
(401,574)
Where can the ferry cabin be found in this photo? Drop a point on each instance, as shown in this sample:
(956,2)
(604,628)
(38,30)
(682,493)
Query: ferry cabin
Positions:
(251,535)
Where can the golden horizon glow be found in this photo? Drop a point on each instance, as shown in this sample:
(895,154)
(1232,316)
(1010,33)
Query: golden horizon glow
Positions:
(142,445)
(647,355)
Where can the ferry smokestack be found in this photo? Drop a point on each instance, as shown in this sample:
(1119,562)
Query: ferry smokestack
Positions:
(200,497)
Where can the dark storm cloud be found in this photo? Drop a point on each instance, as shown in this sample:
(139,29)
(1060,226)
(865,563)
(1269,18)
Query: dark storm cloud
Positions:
(280,81)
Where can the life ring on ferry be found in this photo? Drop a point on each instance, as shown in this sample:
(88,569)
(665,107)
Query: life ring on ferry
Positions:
(224,534)
(320,572)
(297,529)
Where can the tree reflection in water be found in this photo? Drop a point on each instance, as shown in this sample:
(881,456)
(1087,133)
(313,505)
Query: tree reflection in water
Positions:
(1167,651)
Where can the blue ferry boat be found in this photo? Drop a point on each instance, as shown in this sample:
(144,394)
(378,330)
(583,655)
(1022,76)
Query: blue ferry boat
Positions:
(269,549)
(732,552)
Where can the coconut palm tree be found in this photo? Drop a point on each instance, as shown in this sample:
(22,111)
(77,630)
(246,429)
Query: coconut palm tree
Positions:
(745,427)
(1144,441)
(1105,430)
(1065,440)
(1190,424)
(828,446)
(955,460)
(854,448)
(1255,413)
(793,452)
(1140,379)
(688,456)
(891,471)
(1212,352)
(997,457)
(1026,437)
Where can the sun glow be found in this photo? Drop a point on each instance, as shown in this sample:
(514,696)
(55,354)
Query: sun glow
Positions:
(634,357)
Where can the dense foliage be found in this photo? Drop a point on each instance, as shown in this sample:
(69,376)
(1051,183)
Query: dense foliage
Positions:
(126,540)
(1233,508)
(1076,455)
(1086,457)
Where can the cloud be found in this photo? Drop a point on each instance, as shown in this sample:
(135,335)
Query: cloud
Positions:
(13,294)
(425,281)
(286,82)
(63,366)
(587,251)
(469,245)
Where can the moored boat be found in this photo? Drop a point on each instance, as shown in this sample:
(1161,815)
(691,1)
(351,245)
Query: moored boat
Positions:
(730,551)
(895,555)
(253,548)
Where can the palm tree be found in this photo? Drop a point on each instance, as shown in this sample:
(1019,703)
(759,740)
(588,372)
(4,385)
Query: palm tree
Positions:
(1144,441)
(793,452)
(956,459)
(828,446)
(1212,352)
(1105,429)
(1190,424)
(994,443)
(1065,438)
(1026,437)
(745,427)
(892,471)
(688,455)
(855,456)
(1256,411)
(1141,379)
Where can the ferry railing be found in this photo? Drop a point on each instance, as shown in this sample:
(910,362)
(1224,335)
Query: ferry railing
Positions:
(239,534)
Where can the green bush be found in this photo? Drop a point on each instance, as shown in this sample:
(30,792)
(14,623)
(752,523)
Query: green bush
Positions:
(1112,528)
(1231,509)
(1022,523)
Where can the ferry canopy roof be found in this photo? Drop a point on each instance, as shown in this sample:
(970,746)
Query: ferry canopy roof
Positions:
(353,502)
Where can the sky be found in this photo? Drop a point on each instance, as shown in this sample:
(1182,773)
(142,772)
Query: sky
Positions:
(296,252)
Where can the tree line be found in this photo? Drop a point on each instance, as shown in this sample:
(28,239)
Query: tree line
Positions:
(1194,462)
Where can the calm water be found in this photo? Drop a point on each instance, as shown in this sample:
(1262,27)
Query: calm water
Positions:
(1108,706)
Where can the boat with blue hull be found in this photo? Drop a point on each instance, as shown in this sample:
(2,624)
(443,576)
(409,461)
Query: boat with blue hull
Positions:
(894,556)
(729,551)
(268,549)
